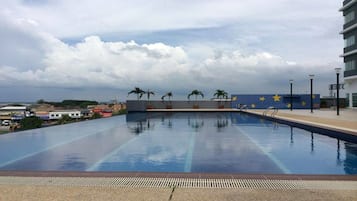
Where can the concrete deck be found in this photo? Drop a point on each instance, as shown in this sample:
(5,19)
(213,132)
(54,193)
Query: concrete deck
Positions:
(327,119)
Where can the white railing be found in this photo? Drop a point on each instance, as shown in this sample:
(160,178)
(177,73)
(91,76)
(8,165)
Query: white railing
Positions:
(271,108)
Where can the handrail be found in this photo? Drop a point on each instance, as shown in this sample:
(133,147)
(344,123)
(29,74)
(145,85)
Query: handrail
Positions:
(241,107)
(275,111)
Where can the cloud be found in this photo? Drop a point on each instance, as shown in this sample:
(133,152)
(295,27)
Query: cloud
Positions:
(94,63)
(165,49)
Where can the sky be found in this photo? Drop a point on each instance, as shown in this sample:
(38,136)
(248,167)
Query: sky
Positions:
(102,49)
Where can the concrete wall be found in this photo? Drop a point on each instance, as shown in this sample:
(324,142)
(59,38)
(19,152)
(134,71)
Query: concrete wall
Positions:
(142,105)
(281,101)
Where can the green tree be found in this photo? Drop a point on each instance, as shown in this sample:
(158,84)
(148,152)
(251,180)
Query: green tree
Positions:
(65,119)
(96,115)
(195,93)
(139,92)
(169,94)
(220,94)
(149,93)
(30,123)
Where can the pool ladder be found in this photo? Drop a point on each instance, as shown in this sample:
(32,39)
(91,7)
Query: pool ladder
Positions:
(271,108)
(243,107)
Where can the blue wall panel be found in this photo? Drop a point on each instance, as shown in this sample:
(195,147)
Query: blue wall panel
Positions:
(281,101)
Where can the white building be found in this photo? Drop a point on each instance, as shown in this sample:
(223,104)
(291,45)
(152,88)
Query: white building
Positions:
(74,114)
(349,10)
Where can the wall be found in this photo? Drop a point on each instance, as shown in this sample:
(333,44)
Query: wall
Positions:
(142,105)
(281,101)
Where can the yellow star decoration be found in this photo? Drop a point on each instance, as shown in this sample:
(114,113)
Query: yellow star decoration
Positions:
(234,98)
(303,103)
(253,105)
(313,96)
(288,105)
(276,98)
(262,98)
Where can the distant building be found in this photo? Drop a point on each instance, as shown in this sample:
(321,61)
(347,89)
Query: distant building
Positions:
(14,112)
(42,110)
(55,115)
(281,101)
(103,110)
(349,10)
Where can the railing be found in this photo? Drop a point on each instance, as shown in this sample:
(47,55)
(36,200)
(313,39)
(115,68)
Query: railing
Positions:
(271,108)
(243,107)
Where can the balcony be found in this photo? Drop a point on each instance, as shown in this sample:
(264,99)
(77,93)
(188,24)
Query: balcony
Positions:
(350,73)
(346,2)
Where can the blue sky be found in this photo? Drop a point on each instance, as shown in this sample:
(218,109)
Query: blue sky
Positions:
(102,49)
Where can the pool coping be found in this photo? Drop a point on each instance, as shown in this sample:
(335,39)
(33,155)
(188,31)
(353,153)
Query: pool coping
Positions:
(178,175)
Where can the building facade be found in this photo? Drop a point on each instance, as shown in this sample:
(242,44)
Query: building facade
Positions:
(281,101)
(55,115)
(349,32)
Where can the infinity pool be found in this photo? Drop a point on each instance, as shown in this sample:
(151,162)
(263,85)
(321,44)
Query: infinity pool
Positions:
(219,142)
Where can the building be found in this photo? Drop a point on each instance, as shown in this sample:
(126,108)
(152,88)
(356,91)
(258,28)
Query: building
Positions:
(55,115)
(14,112)
(349,10)
(281,101)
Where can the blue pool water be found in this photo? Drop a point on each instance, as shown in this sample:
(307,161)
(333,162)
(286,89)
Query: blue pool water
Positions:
(219,142)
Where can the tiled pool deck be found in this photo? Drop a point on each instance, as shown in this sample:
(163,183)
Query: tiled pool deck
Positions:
(82,185)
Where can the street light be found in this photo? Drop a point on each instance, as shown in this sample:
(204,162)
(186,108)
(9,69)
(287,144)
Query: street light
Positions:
(311,94)
(338,70)
(291,94)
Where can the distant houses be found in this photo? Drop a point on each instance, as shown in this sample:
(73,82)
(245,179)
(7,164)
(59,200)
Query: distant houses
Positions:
(49,112)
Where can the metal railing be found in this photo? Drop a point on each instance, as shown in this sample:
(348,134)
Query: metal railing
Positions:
(271,108)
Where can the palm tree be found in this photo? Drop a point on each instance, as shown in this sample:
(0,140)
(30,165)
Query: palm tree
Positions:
(149,93)
(220,94)
(196,93)
(139,92)
(169,94)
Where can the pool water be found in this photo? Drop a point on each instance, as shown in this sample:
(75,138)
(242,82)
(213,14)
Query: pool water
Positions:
(217,142)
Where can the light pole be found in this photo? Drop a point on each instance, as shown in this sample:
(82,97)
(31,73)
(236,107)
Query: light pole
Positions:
(291,94)
(338,70)
(311,94)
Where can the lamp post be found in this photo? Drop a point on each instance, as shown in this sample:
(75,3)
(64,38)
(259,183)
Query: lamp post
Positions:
(291,94)
(311,94)
(338,70)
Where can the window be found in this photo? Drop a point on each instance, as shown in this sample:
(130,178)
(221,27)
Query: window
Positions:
(349,17)
(354,100)
(350,65)
(52,115)
(72,114)
(57,115)
(350,41)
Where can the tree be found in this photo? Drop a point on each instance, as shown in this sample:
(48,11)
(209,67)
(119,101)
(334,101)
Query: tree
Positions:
(169,94)
(139,92)
(196,93)
(149,93)
(65,119)
(41,101)
(30,123)
(96,115)
(220,94)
